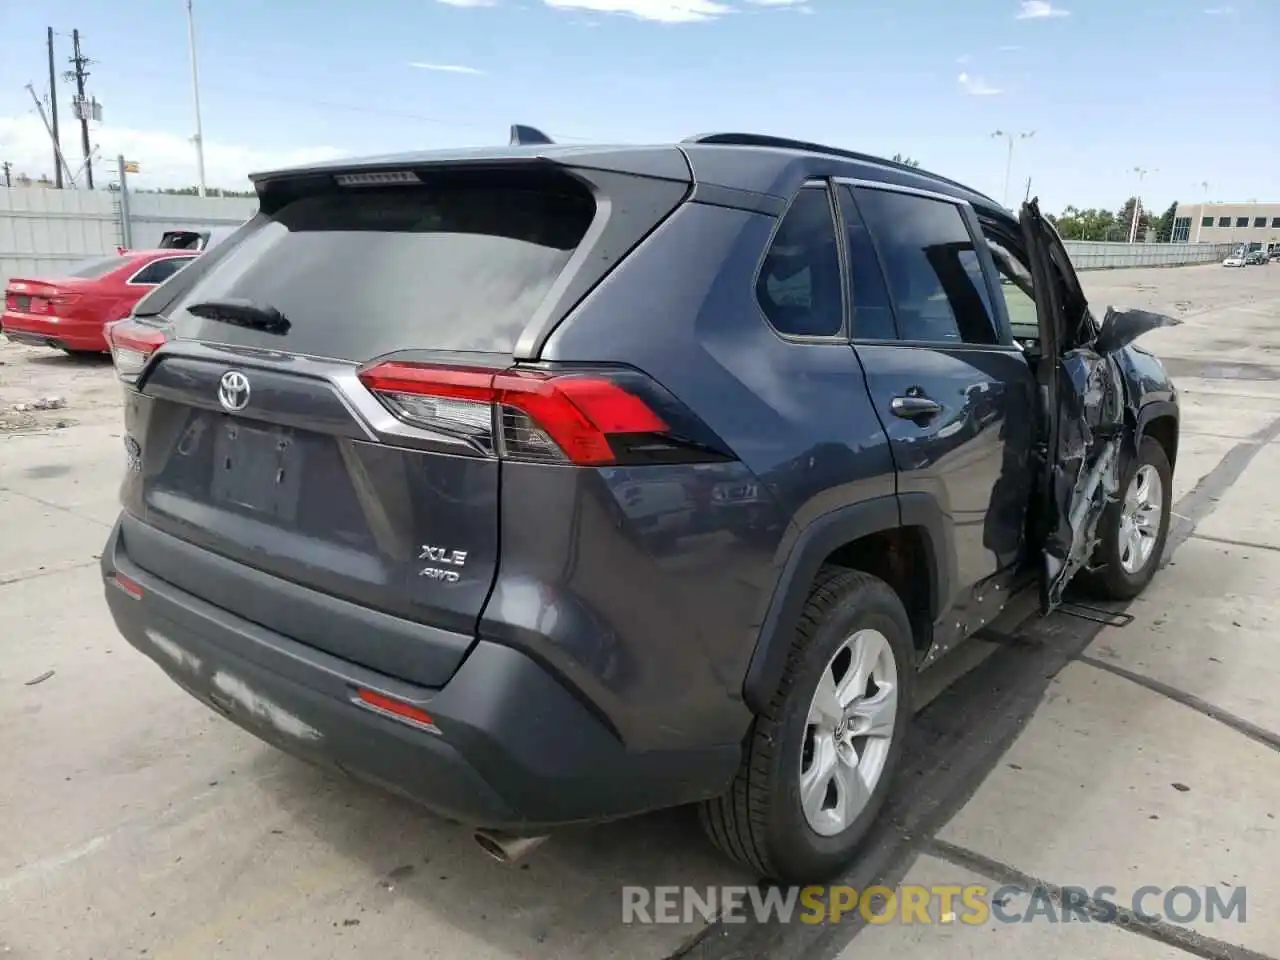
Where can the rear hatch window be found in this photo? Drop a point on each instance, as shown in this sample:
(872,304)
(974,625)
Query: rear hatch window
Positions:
(364,271)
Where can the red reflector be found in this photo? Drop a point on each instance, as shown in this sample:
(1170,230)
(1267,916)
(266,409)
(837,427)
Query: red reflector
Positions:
(129,586)
(397,708)
(578,412)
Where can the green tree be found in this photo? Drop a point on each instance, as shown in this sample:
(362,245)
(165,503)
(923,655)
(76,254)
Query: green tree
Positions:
(1124,219)
(903,158)
(1091,224)
(1164,226)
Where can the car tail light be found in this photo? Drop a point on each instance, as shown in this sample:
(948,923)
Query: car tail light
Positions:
(132,345)
(585,418)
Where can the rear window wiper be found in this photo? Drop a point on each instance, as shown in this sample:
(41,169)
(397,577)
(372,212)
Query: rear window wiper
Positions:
(242,313)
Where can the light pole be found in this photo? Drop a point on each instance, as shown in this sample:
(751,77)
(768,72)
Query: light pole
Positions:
(1008,164)
(1204,186)
(1137,203)
(195,94)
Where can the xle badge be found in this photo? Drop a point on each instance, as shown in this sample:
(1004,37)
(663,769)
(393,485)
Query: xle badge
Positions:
(443,558)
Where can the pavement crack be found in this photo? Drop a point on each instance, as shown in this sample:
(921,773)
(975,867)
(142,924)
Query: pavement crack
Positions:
(55,506)
(1234,543)
(46,572)
(1225,717)
(1170,934)
(1203,499)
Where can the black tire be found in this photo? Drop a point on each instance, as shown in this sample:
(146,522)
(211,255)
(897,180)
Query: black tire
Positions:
(760,822)
(1110,581)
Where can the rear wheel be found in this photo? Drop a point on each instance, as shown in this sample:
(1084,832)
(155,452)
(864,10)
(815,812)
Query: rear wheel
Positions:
(1133,530)
(820,759)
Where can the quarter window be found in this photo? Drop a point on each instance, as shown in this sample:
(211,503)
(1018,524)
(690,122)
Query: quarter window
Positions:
(799,287)
(1259,221)
(930,263)
(1242,221)
(1206,221)
(1224,221)
(1275,223)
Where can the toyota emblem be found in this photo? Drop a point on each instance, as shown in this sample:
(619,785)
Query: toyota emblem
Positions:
(233,390)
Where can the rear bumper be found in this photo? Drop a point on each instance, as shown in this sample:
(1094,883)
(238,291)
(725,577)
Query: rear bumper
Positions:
(516,750)
(57,332)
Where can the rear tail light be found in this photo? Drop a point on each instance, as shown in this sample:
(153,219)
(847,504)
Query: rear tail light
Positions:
(132,345)
(584,418)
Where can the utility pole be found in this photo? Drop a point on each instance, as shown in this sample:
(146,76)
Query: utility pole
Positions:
(8,167)
(53,115)
(126,221)
(83,110)
(1008,166)
(195,94)
(1204,186)
(1137,203)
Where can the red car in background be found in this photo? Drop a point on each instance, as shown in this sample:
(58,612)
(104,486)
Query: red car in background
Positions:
(70,312)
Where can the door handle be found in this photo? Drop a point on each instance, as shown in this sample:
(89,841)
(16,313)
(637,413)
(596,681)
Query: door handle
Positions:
(914,407)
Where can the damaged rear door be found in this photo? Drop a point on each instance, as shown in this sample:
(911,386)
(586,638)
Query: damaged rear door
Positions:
(1089,416)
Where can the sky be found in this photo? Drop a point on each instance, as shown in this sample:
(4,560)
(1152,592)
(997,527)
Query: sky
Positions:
(1185,89)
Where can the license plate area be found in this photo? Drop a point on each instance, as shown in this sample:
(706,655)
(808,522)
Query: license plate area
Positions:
(257,469)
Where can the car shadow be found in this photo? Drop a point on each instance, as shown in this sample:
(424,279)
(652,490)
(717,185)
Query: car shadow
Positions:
(60,358)
(563,900)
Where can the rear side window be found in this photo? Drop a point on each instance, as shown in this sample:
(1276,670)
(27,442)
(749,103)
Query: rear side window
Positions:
(929,258)
(366,271)
(868,296)
(799,282)
(98,267)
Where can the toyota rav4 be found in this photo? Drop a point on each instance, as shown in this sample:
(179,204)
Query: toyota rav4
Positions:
(552,484)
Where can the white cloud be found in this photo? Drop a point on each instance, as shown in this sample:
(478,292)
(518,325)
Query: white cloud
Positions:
(660,11)
(165,160)
(446,68)
(1040,10)
(976,86)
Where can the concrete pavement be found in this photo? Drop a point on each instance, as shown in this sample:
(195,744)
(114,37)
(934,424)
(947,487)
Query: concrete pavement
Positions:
(133,820)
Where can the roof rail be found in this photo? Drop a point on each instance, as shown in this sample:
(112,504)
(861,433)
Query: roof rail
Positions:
(525,136)
(786,143)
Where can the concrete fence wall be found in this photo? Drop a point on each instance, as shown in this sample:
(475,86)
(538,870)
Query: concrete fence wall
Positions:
(1101,255)
(44,231)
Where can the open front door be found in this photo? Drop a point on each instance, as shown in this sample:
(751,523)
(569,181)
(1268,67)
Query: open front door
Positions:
(1082,404)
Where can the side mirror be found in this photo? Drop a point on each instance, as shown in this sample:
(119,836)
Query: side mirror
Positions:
(1121,327)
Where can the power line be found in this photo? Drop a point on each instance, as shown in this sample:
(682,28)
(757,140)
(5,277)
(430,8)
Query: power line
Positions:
(258,93)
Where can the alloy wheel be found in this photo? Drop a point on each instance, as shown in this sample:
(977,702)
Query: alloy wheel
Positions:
(849,730)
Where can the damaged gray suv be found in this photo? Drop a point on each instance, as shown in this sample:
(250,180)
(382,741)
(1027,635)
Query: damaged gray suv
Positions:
(548,485)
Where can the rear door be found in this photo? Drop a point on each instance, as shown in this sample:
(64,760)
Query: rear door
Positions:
(953,391)
(273,447)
